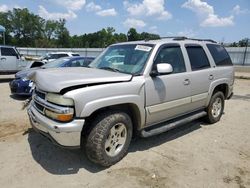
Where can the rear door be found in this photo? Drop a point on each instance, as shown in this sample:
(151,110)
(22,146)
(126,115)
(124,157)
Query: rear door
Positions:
(201,77)
(9,59)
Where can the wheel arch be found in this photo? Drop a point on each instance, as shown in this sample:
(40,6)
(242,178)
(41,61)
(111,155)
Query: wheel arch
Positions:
(223,87)
(131,109)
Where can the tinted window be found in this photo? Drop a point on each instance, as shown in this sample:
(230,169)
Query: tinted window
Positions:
(197,57)
(219,55)
(8,52)
(173,56)
(62,55)
(75,55)
(53,56)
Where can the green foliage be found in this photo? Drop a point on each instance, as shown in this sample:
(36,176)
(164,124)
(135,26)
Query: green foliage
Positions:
(134,36)
(242,43)
(25,29)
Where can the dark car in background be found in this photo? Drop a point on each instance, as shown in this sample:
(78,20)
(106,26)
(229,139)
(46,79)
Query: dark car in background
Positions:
(21,85)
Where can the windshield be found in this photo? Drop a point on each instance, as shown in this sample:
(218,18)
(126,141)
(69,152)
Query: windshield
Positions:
(129,58)
(55,63)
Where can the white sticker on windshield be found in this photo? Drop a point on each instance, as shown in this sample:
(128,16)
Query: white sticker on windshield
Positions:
(143,48)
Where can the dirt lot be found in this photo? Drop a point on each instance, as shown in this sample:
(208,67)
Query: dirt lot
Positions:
(195,155)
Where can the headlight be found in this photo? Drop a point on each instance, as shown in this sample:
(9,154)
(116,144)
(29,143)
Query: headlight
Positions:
(59,99)
(59,117)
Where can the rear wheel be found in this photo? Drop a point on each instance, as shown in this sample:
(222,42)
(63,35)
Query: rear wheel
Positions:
(109,139)
(215,108)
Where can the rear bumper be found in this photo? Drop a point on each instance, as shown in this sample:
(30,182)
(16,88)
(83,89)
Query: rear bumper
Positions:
(62,134)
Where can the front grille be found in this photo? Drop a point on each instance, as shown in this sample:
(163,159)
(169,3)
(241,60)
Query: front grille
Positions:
(40,94)
(39,107)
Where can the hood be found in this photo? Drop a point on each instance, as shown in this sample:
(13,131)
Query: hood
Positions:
(56,79)
(23,73)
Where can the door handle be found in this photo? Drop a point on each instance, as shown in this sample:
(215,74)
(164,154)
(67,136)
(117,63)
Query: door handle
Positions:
(211,77)
(186,82)
(3,58)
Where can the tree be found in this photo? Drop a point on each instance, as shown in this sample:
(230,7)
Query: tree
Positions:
(244,42)
(23,28)
(26,26)
(133,35)
(5,21)
(149,36)
(62,34)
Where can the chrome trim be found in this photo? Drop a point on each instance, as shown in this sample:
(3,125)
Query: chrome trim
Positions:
(176,103)
(168,105)
(199,97)
(52,107)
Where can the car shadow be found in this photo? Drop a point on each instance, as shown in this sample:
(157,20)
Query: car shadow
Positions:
(59,161)
(56,160)
(19,97)
(141,144)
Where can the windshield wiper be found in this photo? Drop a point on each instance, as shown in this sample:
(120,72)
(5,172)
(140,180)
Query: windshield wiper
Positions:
(110,68)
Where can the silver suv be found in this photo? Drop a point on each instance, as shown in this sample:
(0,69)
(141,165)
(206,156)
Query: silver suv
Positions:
(159,85)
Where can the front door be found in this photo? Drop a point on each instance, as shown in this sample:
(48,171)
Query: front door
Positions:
(168,96)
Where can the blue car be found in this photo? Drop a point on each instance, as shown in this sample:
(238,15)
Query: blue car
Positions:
(21,85)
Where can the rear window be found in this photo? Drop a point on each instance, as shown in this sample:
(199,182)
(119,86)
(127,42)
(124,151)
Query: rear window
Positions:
(197,57)
(220,55)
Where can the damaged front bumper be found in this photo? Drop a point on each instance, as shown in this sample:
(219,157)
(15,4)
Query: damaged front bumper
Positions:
(62,134)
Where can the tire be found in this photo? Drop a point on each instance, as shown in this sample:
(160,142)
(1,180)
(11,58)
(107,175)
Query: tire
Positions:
(109,139)
(215,108)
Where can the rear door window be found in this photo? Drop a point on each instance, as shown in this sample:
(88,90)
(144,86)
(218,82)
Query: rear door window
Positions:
(8,52)
(197,57)
(220,55)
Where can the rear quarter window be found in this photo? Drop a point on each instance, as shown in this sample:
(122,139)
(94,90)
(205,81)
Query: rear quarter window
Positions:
(220,55)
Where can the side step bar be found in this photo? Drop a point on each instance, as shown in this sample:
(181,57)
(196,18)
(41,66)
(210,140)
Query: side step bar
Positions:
(163,127)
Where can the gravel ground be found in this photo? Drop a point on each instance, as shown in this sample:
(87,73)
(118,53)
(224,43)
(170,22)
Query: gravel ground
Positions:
(195,155)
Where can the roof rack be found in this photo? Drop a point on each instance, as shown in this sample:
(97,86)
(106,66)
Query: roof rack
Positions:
(175,37)
(208,40)
(186,38)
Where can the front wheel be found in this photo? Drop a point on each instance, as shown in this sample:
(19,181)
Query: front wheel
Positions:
(215,108)
(109,139)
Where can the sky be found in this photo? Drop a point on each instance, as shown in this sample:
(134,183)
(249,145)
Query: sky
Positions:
(221,20)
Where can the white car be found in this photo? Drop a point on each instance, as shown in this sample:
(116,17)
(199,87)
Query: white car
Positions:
(10,60)
(50,57)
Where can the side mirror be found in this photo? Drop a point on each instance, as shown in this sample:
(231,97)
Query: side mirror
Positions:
(161,69)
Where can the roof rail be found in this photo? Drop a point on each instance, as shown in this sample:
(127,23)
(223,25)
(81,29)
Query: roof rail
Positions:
(208,40)
(186,38)
(175,37)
